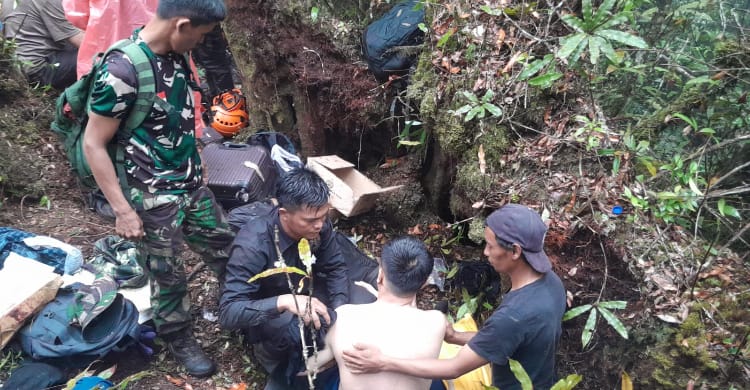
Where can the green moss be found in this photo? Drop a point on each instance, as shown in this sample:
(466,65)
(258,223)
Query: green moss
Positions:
(692,326)
(476,230)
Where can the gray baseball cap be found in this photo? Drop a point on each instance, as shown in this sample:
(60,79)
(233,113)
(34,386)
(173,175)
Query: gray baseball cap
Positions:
(518,224)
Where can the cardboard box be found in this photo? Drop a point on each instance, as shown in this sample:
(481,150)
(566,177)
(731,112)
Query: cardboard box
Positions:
(26,285)
(352,192)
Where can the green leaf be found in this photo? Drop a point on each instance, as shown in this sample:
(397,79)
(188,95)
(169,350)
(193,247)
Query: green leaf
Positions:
(615,165)
(520,373)
(488,96)
(314,14)
(594,45)
(409,143)
(575,23)
(588,329)
(422,27)
(463,110)
(534,67)
(707,131)
(446,37)
(694,187)
(609,52)
(545,80)
(474,111)
(491,11)
(623,37)
(275,271)
(614,321)
(690,121)
(569,44)
(106,374)
(613,304)
(603,11)
(615,21)
(575,312)
(493,109)
(699,80)
(568,382)
(731,211)
(132,378)
(587,9)
(470,96)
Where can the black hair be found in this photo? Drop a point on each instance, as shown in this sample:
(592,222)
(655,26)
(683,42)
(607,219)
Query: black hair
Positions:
(200,12)
(509,246)
(407,264)
(302,187)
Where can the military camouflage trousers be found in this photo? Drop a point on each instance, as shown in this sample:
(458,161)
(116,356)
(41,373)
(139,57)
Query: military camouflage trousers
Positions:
(169,220)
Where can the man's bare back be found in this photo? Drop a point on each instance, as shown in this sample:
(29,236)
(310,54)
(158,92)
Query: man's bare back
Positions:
(399,331)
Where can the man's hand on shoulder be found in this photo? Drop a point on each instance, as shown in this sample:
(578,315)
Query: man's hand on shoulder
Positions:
(317,309)
(364,359)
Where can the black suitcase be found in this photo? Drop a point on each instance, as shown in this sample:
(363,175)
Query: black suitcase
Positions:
(210,136)
(239,173)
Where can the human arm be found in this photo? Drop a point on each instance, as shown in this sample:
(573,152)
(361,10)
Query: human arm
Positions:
(99,132)
(331,262)
(453,336)
(57,26)
(111,98)
(76,40)
(366,359)
(238,307)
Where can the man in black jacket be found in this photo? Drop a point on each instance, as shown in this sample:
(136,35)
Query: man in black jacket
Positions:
(265,310)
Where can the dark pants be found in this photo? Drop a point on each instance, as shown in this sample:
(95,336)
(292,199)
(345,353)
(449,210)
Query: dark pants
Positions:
(59,71)
(214,57)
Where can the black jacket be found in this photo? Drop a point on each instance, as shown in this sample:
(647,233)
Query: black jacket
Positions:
(244,304)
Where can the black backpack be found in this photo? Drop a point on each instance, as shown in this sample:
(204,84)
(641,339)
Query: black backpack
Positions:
(383,37)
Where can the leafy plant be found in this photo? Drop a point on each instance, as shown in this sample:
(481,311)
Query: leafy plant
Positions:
(594,31)
(602,308)
(409,137)
(544,80)
(477,108)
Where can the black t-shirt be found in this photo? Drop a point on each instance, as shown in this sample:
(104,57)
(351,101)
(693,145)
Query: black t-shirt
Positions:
(526,327)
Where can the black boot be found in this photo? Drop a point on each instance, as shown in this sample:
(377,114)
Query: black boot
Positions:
(186,350)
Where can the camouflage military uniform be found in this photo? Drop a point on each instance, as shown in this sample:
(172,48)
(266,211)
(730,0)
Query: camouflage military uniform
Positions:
(165,175)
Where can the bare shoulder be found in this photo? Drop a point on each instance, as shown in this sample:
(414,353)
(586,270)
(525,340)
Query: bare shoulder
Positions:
(435,318)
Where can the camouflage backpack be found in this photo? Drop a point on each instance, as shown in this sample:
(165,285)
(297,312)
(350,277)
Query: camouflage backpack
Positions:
(71,113)
(82,324)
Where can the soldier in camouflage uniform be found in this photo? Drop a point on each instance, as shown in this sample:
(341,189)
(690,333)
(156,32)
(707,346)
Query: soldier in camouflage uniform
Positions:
(168,202)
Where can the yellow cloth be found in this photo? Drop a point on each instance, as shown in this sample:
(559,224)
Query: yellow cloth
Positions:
(472,380)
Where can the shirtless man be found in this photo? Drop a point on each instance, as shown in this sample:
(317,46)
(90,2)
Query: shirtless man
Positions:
(392,322)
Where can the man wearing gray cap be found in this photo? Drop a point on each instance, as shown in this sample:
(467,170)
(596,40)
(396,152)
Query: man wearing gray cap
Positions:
(525,327)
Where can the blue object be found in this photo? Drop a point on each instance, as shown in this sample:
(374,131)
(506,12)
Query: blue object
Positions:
(92,383)
(617,210)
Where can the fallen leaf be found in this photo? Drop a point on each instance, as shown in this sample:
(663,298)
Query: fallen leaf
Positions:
(500,38)
(455,70)
(569,298)
(434,226)
(482,163)
(668,318)
(512,62)
(238,386)
(478,205)
(573,271)
(175,381)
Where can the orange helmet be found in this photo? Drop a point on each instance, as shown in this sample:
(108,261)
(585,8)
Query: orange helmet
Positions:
(229,113)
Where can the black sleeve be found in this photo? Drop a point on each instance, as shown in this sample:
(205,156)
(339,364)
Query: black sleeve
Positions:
(237,310)
(331,262)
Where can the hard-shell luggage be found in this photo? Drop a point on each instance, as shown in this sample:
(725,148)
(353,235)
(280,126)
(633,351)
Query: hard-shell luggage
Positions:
(209,135)
(239,173)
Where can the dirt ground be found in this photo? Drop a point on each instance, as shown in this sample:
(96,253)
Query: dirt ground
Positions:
(68,219)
